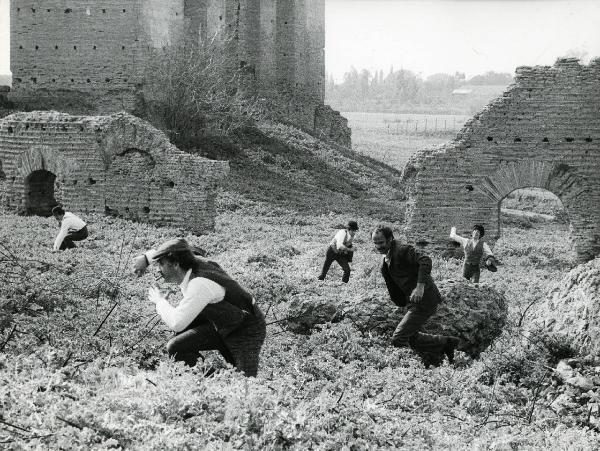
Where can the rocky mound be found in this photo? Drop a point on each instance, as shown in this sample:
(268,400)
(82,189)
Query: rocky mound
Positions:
(476,314)
(571,312)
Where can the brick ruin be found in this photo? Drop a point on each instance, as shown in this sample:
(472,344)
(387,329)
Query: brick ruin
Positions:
(89,56)
(543,132)
(118,165)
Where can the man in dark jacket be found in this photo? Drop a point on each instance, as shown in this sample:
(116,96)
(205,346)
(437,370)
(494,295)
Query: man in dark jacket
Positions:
(407,274)
(215,312)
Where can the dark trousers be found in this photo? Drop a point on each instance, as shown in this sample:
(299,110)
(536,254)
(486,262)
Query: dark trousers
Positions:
(471,271)
(79,235)
(241,348)
(186,346)
(408,332)
(342,259)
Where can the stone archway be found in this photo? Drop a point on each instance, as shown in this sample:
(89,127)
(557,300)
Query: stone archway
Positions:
(542,132)
(39,193)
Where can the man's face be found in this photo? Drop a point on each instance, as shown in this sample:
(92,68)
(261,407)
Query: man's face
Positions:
(381,244)
(59,218)
(351,232)
(475,234)
(168,270)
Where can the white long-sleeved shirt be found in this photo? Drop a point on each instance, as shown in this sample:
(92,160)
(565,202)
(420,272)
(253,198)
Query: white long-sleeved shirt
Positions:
(464,241)
(342,239)
(69,223)
(197,294)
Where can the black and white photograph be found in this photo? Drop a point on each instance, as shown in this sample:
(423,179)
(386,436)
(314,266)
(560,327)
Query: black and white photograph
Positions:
(300,225)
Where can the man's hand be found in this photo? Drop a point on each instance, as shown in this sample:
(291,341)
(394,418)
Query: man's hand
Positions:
(154,295)
(140,263)
(417,293)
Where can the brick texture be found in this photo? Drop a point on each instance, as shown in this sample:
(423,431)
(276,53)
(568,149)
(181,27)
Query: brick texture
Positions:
(118,165)
(544,132)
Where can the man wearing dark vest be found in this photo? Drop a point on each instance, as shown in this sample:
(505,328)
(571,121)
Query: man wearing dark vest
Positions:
(475,248)
(341,250)
(216,313)
(407,275)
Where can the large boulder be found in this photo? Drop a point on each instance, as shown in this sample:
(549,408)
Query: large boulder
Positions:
(474,313)
(571,311)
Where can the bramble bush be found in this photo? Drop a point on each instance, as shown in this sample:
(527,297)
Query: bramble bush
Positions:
(83,364)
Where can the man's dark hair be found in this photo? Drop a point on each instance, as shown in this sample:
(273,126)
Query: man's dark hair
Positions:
(386,231)
(58,211)
(480,228)
(352,225)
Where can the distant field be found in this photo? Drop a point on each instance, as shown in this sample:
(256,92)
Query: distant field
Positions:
(392,138)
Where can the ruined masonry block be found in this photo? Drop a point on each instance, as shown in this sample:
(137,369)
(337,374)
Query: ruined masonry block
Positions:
(118,165)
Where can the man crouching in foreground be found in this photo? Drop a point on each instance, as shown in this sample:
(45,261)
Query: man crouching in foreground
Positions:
(407,274)
(216,313)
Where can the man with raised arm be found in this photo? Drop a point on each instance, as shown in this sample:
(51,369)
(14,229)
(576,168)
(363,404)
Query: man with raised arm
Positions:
(475,249)
(407,275)
(216,313)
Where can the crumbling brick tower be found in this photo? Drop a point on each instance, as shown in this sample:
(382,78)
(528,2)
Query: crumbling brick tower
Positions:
(543,132)
(89,56)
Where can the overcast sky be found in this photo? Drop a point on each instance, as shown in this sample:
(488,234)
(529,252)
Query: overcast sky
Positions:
(429,36)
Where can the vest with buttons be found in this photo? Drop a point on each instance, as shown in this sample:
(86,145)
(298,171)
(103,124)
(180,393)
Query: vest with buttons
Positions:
(473,252)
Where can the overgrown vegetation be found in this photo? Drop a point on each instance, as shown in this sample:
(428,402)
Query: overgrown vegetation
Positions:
(197,90)
(83,362)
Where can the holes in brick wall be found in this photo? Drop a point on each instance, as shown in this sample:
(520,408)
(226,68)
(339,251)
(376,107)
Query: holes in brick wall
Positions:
(37,47)
(490,138)
(220,17)
(124,10)
(545,140)
(55,47)
(10,129)
(74,183)
(146,210)
(17,80)
(104,11)
(74,47)
(68,10)
(91,181)
(588,140)
(94,47)
(48,10)
(469,187)
(107,80)
(171,184)
(517,140)
(122,47)
(88,80)
(18,10)
(20,47)
(33,10)
(34,79)
(54,80)
(569,140)
(72,80)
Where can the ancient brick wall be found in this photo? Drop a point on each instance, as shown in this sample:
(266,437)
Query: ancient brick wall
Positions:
(119,165)
(86,55)
(543,132)
(89,56)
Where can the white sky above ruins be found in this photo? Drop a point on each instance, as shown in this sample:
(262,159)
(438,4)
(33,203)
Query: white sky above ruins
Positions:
(429,36)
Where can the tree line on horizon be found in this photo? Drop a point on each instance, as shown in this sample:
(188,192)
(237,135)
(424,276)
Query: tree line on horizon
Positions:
(404,91)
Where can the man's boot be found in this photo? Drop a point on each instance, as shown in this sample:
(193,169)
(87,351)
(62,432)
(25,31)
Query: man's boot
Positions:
(450,346)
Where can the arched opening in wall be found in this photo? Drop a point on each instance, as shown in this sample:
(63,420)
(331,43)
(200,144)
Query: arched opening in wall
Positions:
(39,193)
(534,225)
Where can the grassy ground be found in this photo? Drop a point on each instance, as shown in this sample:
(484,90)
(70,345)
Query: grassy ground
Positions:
(391,138)
(72,381)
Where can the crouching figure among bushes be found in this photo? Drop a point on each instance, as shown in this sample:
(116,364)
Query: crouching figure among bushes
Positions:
(216,313)
(407,275)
